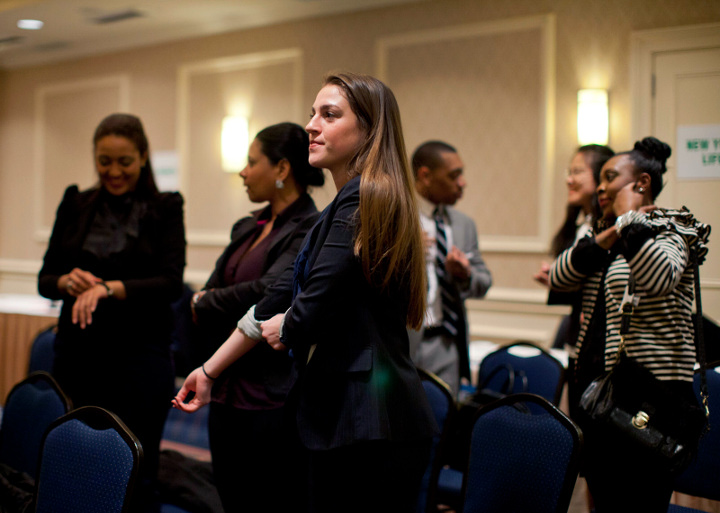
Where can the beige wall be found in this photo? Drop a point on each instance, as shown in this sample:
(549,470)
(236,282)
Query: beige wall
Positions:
(496,79)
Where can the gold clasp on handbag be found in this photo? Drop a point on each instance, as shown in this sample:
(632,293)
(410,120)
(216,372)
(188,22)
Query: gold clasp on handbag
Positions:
(640,420)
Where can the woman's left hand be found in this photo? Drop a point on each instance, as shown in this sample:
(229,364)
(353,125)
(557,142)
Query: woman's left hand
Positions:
(195,382)
(271,332)
(86,303)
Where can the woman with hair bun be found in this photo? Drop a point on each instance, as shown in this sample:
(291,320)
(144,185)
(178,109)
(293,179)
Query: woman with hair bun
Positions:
(245,417)
(633,236)
(358,410)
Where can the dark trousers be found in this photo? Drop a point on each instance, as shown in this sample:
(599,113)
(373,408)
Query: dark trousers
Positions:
(619,479)
(253,460)
(377,476)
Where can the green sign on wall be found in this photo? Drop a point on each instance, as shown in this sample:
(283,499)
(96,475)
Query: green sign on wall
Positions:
(698,152)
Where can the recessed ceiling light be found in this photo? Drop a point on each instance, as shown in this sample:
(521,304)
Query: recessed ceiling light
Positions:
(30,24)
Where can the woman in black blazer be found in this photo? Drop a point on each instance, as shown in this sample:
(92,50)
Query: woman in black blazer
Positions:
(359,409)
(246,409)
(116,257)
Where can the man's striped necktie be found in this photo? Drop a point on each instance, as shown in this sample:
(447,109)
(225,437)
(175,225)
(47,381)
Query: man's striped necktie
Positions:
(450,309)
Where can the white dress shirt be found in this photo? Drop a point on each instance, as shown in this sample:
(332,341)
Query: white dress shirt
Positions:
(433,314)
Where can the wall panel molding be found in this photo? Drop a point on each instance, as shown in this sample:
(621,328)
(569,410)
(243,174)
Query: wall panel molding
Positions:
(291,59)
(644,44)
(544,25)
(113,89)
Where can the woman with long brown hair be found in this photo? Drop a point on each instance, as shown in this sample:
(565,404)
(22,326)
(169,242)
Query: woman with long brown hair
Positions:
(358,408)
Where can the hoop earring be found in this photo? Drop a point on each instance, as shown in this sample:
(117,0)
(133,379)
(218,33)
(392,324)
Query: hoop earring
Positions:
(279,184)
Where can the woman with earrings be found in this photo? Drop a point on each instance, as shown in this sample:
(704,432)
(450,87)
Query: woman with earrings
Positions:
(246,408)
(358,408)
(655,246)
(581,180)
(115,258)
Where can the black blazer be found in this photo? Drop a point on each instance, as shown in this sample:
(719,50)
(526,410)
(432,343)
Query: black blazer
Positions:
(150,266)
(219,310)
(360,383)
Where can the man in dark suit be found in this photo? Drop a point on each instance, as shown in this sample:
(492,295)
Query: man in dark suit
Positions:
(456,270)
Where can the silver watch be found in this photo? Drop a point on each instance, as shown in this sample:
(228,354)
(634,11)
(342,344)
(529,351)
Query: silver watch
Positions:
(624,220)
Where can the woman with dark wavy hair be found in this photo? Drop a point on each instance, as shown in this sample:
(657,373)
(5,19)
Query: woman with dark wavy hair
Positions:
(582,179)
(655,245)
(358,408)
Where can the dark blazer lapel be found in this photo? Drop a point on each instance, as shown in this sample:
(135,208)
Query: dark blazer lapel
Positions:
(85,206)
(302,209)
(240,231)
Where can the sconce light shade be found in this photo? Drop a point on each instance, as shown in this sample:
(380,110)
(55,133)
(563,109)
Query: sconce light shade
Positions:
(234,143)
(592,116)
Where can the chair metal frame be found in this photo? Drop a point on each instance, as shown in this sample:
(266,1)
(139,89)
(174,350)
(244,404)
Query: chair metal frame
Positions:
(97,419)
(42,351)
(537,404)
(27,426)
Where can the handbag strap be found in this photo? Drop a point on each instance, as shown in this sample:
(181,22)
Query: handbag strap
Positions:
(700,334)
(630,302)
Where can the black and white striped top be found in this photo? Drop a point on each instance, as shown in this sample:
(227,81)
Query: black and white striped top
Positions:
(656,248)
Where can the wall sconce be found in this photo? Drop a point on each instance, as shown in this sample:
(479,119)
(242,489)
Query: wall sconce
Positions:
(592,116)
(235,143)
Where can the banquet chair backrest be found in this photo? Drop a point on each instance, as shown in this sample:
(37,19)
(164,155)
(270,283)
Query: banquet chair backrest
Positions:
(702,478)
(524,456)
(29,409)
(89,462)
(443,406)
(542,373)
(42,353)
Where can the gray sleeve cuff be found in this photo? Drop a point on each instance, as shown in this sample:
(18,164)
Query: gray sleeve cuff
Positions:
(250,326)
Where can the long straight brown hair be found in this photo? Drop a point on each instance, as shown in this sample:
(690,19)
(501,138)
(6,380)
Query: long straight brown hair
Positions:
(389,238)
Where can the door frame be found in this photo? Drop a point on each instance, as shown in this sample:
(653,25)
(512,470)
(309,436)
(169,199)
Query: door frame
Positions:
(644,45)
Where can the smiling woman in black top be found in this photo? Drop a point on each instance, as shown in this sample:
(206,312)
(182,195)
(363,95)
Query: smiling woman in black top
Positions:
(116,257)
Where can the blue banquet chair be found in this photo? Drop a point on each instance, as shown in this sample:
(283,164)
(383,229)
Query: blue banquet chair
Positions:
(520,367)
(443,406)
(89,462)
(42,353)
(702,477)
(543,374)
(31,406)
(524,456)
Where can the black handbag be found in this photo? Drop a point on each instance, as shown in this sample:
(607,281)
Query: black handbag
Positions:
(630,401)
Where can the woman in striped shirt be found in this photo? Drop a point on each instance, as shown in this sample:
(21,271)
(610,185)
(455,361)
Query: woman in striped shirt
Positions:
(633,236)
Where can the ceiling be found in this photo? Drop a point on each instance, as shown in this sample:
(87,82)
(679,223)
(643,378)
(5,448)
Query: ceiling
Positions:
(77,28)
